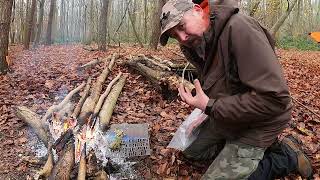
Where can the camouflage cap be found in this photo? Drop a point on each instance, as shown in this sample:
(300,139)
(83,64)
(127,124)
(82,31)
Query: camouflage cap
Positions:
(172,13)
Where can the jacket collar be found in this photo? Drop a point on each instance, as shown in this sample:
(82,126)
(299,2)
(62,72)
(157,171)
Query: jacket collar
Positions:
(219,16)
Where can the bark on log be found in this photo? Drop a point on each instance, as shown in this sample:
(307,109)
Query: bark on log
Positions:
(82,165)
(63,167)
(34,121)
(47,168)
(58,107)
(152,62)
(110,103)
(105,94)
(167,82)
(88,106)
(77,110)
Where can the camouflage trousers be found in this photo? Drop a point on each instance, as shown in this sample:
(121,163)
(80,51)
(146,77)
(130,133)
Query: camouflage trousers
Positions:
(232,160)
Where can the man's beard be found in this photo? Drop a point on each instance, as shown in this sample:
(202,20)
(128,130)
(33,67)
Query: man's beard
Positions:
(198,44)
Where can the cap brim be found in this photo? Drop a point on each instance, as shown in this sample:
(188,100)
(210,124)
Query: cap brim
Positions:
(164,35)
(164,39)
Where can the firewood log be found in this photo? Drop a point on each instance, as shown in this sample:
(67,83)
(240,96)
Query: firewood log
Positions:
(90,103)
(105,94)
(110,103)
(84,96)
(62,169)
(47,168)
(34,121)
(82,165)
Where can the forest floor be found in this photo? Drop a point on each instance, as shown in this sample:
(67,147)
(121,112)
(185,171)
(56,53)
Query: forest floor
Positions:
(43,75)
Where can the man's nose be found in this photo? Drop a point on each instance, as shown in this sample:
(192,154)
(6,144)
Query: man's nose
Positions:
(182,37)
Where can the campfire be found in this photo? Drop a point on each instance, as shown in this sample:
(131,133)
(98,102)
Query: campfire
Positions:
(78,135)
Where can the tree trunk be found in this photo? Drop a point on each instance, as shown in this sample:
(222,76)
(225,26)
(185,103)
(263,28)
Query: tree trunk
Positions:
(134,28)
(40,22)
(102,41)
(30,25)
(5,17)
(156,28)
(280,21)
(145,20)
(254,8)
(50,21)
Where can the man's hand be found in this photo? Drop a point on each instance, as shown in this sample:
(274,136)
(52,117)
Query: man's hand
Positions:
(200,100)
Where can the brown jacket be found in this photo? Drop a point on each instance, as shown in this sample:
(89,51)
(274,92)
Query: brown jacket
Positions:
(242,72)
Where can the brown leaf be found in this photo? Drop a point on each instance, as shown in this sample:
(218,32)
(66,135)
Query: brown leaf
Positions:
(165,152)
(162,168)
(156,128)
(22,140)
(49,84)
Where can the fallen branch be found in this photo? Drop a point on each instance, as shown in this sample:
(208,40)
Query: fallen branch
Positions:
(77,110)
(109,104)
(33,120)
(58,107)
(154,63)
(167,82)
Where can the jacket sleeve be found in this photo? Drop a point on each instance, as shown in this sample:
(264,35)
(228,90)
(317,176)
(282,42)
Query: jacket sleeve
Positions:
(258,69)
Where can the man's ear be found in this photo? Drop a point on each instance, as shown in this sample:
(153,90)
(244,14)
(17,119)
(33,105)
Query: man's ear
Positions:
(197,7)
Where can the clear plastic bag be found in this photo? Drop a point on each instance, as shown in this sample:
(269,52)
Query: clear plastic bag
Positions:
(188,130)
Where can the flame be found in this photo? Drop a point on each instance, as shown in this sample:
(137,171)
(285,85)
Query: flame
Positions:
(68,124)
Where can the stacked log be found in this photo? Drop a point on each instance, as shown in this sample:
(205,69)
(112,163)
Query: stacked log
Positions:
(89,106)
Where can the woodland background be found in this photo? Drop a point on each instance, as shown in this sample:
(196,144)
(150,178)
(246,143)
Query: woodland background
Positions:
(43,42)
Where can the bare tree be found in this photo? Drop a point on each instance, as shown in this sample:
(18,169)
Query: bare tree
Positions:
(133,23)
(5,17)
(156,28)
(50,21)
(281,20)
(102,41)
(30,24)
(40,22)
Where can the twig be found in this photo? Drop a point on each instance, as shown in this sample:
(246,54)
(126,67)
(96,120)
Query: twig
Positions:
(306,107)
(184,71)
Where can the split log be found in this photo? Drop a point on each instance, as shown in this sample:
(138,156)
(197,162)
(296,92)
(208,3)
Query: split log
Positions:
(34,121)
(47,168)
(109,104)
(167,82)
(105,94)
(97,61)
(90,103)
(63,167)
(58,107)
(84,96)
(82,165)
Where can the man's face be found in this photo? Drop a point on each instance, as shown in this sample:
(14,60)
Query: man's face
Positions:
(189,31)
